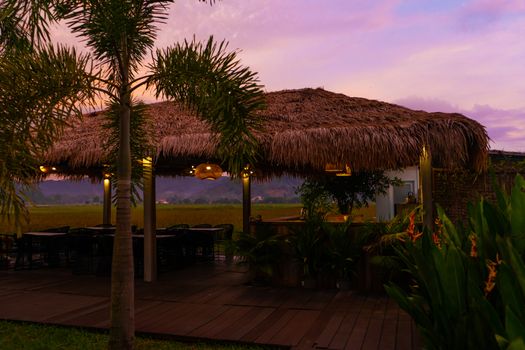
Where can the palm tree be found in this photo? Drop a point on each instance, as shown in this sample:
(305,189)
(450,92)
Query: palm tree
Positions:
(205,77)
(40,86)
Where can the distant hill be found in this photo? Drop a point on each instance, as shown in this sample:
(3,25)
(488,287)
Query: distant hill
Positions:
(172,190)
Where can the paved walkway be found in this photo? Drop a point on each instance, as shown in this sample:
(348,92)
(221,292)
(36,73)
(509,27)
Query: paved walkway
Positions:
(212,302)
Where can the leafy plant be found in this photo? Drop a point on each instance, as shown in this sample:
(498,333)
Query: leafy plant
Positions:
(347,192)
(307,241)
(469,283)
(344,248)
(382,238)
(262,251)
(316,201)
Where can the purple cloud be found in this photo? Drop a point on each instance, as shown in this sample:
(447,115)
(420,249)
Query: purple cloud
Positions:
(378,49)
(483,13)
(504,126)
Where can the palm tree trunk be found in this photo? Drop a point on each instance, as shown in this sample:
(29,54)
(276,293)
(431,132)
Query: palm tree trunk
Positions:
(122,329)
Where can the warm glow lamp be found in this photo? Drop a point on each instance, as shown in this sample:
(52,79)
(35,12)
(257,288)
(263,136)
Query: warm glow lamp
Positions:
(338,170)
(208,171)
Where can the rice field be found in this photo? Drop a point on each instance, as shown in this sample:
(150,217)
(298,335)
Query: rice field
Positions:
(42,217)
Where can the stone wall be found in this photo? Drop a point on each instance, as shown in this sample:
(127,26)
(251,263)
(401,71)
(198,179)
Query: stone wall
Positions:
(453,190)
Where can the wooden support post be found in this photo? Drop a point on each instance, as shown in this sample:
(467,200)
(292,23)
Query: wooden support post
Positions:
(150,226)
(246,203)
(425,178)
(106,209)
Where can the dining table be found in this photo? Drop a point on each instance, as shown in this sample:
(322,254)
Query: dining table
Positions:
(211,232)
(49,243)
(101,229)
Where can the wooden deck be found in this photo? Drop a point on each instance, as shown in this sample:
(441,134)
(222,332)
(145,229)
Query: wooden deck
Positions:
(212,302)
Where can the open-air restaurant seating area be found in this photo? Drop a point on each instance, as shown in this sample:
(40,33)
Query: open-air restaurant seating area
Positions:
(88,250)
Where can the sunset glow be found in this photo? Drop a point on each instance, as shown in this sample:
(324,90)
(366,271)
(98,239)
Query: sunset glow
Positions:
(435,55)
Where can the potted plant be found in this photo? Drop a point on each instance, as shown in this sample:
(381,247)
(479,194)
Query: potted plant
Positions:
(345,250)
(262,251)
(381,264)
(307,242)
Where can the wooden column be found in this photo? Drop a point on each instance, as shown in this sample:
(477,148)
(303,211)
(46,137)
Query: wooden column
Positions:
(106,209)
(246,203)
(425,178)
(150,243)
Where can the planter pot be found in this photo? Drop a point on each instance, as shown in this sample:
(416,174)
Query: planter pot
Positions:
(309,283)
(289,272)
(344,284)
(4,264)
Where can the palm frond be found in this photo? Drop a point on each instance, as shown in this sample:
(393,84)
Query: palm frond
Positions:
(120,32)
(224,93)
(39,91)
(24,23)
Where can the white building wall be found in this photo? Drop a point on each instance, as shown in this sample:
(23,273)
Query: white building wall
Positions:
(385,203)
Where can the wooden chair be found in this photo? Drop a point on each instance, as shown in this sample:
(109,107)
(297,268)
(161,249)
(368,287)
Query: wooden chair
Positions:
(81,247)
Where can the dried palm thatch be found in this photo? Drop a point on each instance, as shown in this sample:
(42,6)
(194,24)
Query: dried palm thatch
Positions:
(303,130)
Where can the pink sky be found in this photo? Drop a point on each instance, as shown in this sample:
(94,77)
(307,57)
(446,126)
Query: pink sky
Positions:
(437,55)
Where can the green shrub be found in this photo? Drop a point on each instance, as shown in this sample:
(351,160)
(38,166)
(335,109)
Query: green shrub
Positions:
(262,251)
(345,248)
(468,286)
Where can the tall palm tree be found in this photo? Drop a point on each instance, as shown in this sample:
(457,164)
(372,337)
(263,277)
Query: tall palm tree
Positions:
(205,77)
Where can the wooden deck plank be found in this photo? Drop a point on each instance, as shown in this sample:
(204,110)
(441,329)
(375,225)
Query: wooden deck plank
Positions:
(176,324)
(375,327)
(157,315)
(97,317)
(359,331)
(326,325)
(205,295)
(228,297)
(261,296)
(330,329)
(417,341)
(297,298)
(270,332)
(352,313)
(261,327)
(213,303)
(293,331)
(39,306)
(79,312)
(242,326)
(404,333)
(389,333)
(320,299)
(214,328)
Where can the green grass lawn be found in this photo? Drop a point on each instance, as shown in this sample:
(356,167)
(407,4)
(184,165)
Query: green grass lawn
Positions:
(42,217)
(25,336)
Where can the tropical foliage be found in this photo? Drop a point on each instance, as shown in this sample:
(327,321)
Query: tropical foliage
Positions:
(119,34)
(322,250)
(39,91)
(345,247)
(468,286)
(262,251)
(347,192)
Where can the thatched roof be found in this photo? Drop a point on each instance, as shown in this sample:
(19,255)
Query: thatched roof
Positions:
(303,131)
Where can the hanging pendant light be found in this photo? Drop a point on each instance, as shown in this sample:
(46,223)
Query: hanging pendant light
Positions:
(208,171)
(47,169)
(338,170)
(346,171)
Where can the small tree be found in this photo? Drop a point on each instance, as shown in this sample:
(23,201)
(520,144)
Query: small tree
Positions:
(348,192)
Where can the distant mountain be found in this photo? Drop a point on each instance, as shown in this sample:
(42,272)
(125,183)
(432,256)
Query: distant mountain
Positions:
(172,190)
